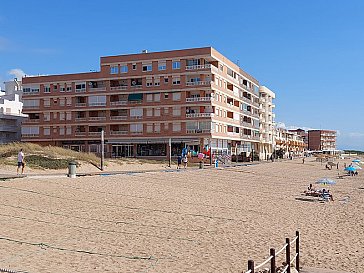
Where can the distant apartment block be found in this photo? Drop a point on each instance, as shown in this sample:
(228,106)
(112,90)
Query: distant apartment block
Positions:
(289,142)
(10,112)
(303,134)
(322,140)
(266,118)
(197,97)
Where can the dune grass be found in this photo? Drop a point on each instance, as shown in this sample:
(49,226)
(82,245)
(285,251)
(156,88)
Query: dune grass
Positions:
(48,157)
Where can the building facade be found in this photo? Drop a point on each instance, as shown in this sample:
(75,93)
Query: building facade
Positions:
(321,140)
(267,139)
(290,143)
(303,134)
(197,98)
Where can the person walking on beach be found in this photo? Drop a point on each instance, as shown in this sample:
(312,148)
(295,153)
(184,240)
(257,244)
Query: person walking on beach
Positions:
(179,162)
(21,163)
(185,161)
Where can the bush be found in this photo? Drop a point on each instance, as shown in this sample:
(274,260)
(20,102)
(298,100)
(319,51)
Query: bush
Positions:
(46,162)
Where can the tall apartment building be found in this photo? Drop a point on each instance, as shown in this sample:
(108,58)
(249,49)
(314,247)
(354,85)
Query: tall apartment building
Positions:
(322,140)
(196,97)
(267,140)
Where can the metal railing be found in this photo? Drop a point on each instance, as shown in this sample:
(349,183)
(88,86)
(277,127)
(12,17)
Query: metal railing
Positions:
(194,67)
(198,99)
(121,87)
(199,115)
(198,83)
(289,263)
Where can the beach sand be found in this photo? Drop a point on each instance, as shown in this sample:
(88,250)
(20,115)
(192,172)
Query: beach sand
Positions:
(210,220)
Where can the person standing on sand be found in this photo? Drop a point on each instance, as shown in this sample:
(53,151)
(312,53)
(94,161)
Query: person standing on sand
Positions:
(21,163)
(185,160)
(179,162)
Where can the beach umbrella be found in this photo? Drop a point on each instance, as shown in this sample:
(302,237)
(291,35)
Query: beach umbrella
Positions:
(357,167)
(356,161)
(325,181)
(350,169)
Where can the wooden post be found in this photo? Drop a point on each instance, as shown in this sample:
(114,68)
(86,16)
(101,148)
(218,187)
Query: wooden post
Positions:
(251,266)
(273,260)
(288,255)
(298,251)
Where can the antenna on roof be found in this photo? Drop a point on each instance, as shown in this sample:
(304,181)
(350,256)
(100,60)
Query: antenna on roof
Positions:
(144,51)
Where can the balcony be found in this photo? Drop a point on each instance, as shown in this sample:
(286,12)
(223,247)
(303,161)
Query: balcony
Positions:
(120,102)
(80,133)
(196,99)
(115,88)
(198,83)
(118,117)
(199,115)
(80,104)
(80,119)
(35,120)
(198,131)
(94,133)
(29,135)
(118,133)
(97,104)
(97,89)
(96,118)
(197,67)
(81,90)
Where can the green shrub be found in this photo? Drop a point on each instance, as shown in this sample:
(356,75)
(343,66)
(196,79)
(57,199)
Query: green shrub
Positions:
(46,162)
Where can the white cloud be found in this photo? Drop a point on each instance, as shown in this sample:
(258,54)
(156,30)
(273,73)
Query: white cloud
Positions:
(17,73)
(281,125)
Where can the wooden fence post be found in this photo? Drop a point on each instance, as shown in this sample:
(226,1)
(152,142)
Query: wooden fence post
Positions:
(298,251)
(288,256)
(251,266)
(273,260)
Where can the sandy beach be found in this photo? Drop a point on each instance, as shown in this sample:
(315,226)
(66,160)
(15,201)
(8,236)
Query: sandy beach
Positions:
(210,220)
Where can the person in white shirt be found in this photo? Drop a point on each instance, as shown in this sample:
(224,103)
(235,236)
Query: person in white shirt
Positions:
(21,163)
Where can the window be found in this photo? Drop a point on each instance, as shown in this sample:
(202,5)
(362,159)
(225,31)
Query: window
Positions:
(68,130)
(149,82)
(149,127)
(124,69)
(177,127)
(55,86)
(113,70)
(157,112)
(47,116)
(156,81)
(176,111)
(61,101)
(157,127)
(97,100)
(147,67)
(134,66)
(166,111)
(136,112)
(47,89)
(68,115)
(221,67)
(46,131)
(157,97)
(62,89)
(69,89)
(46,102)
(69,101)
(162,65)
(166,126)
(61,115)
(61,130)
(165,96)
(176,65)
(149,112)
(176,96)
(29,130)
(55,114)
(31,103)
(176,80)
(149,97)
(165,80)
(80,86)
(136,128)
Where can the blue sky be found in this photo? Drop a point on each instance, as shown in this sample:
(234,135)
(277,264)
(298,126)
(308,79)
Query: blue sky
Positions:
(310,53)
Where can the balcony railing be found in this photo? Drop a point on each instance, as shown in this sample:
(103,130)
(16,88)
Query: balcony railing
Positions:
(198,83)
(198,131)
(136,133)
(196,67)
(96,89)
(194,99)
(97,104)
(82,90)
(32,120)
(94,133)
(118,117)
(80,104)
(136,117)
(96,118)
(199,115)
(29,135)
(117,133)
(80,133)
(121,87)
(120,102)
(80,119)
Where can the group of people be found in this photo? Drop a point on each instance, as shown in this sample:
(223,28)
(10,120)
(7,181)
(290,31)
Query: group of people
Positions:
(325,194)
(180,159)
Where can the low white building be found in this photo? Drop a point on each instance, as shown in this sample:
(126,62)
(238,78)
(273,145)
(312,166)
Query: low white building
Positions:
(11,112)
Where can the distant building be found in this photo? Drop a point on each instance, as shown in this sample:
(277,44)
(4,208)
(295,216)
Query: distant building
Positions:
(303,134)
(10,113)
(321,140)
(289,142)
(266,118)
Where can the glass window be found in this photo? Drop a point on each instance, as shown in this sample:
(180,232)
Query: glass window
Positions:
(177,127)
(147,67)
(162,65)
(176,96)
(176,65)
(114,69)
(124,69)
